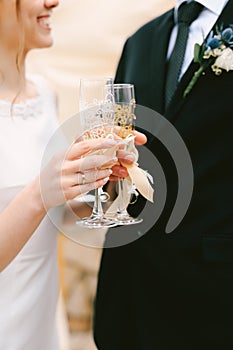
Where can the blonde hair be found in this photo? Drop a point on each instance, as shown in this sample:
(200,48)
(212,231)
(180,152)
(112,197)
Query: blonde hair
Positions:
(19,54)
(21,42)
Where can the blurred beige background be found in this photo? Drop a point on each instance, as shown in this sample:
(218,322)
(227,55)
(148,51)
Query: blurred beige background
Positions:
(88,40)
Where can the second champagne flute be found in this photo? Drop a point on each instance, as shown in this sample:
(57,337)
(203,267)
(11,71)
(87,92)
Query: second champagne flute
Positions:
(97,120)
(124,121)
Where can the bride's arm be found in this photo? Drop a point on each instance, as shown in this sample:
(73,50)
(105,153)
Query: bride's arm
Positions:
(18,222)
(61,180)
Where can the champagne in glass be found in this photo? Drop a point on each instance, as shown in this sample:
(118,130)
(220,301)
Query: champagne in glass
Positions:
(124,121)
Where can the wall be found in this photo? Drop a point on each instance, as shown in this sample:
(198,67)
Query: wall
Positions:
(88,39)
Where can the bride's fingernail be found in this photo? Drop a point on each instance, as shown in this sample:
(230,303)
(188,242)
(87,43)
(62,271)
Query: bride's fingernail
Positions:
(115,159)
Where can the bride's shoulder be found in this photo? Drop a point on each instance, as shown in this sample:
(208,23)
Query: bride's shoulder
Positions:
(43,84)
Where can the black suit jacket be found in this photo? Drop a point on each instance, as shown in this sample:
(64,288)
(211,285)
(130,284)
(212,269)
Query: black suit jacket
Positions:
(176,290)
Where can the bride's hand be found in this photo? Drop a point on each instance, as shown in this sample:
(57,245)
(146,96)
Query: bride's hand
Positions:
(74,172)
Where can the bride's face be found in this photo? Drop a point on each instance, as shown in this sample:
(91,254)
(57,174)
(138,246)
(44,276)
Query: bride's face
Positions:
(36,21)
(27,21)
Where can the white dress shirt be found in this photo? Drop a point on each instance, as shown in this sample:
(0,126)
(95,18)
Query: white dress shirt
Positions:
(199,29)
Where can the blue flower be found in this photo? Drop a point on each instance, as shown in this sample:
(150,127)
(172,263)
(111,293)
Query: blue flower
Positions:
(216,51)
(213,43)
(227,34)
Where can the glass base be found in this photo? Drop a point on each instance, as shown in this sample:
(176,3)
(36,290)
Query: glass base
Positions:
(126,219)
(97,222)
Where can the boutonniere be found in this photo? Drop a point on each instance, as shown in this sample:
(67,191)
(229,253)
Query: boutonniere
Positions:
(216,51)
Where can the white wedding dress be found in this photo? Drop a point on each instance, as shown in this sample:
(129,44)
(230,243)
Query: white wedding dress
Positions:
(29,284)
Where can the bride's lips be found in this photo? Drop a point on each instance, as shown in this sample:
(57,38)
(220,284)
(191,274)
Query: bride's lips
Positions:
(44,21)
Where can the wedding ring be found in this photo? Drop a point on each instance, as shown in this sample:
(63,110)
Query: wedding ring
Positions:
(83,179)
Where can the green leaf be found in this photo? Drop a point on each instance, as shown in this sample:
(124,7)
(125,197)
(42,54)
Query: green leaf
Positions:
(197,53)
(202,52)
(219,29)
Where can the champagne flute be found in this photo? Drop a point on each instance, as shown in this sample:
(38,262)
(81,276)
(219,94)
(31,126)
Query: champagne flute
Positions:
(124,121)
(97,120)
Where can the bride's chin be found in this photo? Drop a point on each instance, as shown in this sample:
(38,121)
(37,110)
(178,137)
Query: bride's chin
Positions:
(45,44)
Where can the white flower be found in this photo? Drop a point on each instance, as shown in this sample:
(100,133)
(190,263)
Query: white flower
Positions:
(207,54)
(225,61)
(216,69)
(217,52)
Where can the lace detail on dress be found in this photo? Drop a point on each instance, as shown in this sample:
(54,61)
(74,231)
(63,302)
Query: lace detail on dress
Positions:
(31,108)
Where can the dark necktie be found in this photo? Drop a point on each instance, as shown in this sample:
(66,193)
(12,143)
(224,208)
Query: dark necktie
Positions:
(187,13)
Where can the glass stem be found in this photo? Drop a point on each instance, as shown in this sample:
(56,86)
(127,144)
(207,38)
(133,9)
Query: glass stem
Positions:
(97,208)
(122,204)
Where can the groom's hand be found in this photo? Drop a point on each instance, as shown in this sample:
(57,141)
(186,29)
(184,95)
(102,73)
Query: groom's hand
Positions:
(124,157)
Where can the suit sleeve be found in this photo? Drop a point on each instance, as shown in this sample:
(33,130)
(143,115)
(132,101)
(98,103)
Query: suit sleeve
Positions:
(121,68)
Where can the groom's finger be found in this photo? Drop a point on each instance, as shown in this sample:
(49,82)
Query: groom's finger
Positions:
(119,172)
(140,138)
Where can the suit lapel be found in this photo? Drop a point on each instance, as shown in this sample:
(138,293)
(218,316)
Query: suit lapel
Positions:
(226,18)
(158,57)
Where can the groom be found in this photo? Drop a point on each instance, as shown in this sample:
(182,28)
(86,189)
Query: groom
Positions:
(167,291)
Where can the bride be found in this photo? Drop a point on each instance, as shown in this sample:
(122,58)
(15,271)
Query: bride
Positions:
(28,262)
(28,240)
